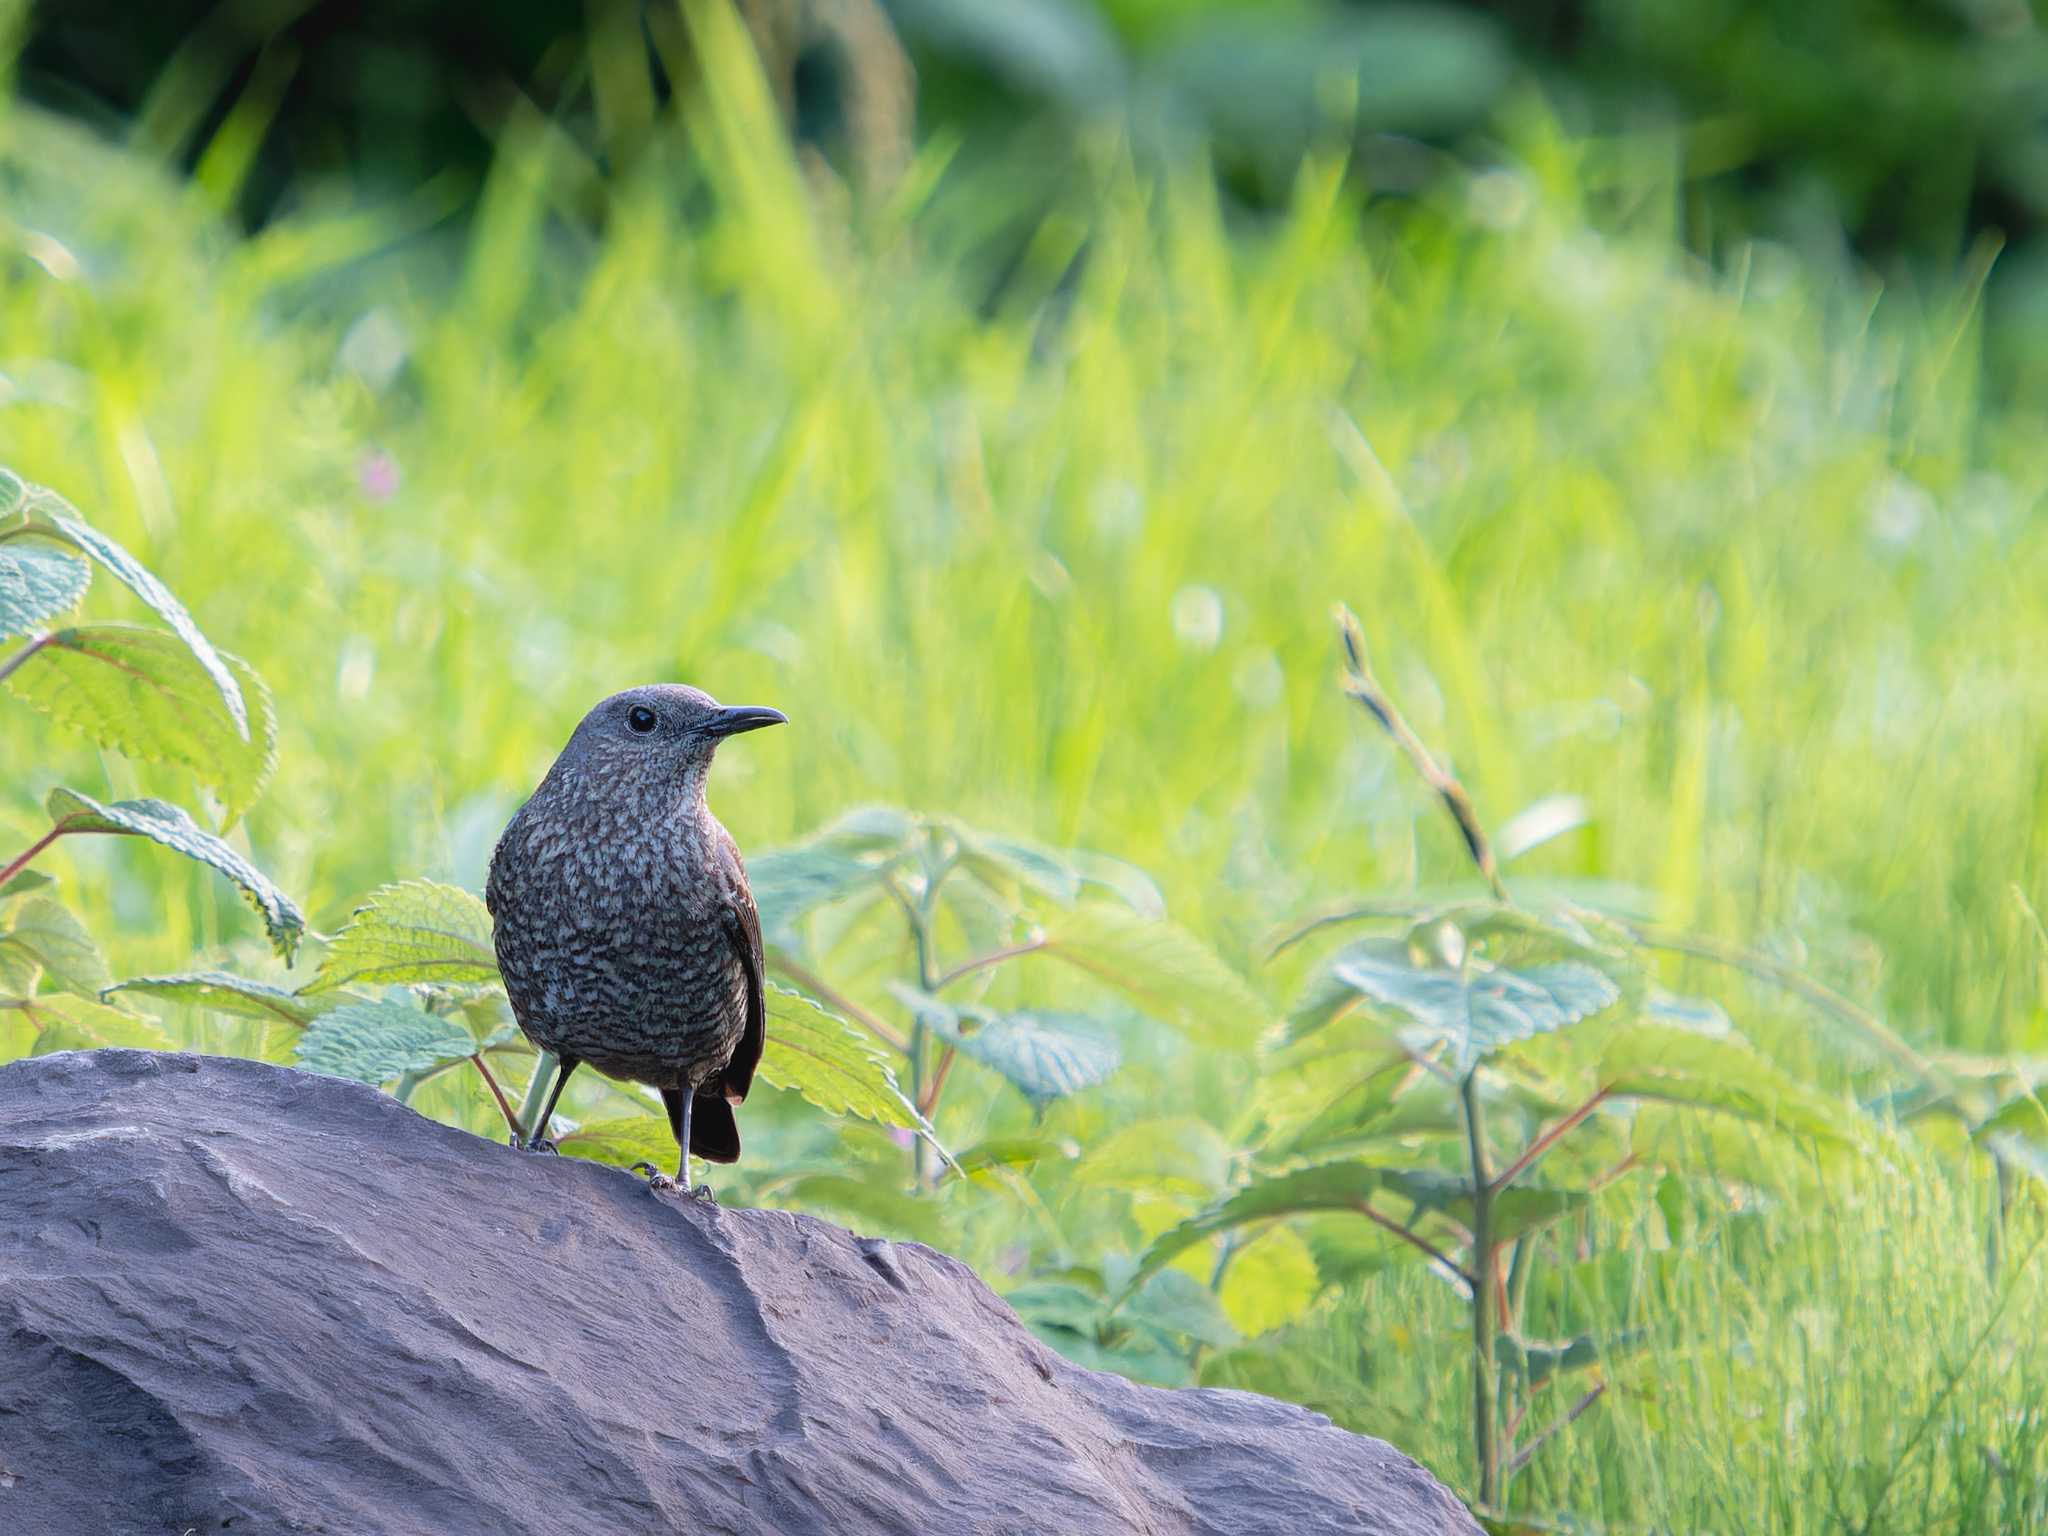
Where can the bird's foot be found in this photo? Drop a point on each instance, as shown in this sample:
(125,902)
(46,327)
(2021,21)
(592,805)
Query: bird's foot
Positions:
(662,1184)
(521,1144)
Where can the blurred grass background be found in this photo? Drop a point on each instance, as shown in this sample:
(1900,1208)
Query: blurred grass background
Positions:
(1023,480)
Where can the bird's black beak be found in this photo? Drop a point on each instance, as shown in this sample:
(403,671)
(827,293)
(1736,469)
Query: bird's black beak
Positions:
(743,717)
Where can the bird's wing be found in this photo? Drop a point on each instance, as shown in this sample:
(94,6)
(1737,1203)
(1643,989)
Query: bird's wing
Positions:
(743,932)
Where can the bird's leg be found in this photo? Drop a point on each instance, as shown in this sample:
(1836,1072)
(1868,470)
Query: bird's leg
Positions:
(538,1142)
(680,1103)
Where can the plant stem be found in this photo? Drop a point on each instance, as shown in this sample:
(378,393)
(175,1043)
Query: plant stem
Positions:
(408,1083)
(491,1082)
(29,853)
(536,1093)
(1364,687)
(1546,1141)
(920,1034)
(13,663)
(1521,1458)
(983,962)
(1485,1447)
(1390,1225)
(816,986)
(930,1099)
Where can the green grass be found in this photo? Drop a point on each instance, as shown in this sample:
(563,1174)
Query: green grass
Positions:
(1739,556)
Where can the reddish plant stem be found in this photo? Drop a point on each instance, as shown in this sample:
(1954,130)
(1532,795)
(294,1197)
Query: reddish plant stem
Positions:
(13,663)
(929,1099)
(1521,1458)
(831,999)
(1373,1216)
(32,850)
(983,962)
(504,1104)
(1546,1141)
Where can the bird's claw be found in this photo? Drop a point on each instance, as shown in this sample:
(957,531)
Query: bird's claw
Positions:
(662,1184)
(520,1144)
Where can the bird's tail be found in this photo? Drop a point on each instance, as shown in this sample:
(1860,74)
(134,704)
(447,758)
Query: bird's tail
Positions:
(714,1133)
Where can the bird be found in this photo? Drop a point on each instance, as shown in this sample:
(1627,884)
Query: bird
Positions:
(624,928)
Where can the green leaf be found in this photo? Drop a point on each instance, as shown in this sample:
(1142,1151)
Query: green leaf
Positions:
(1716,1072)
(1342,1186)
(1536,1360)
(1174,1303)
(1045,1056)
(142,693)
(1477,1007)
(791,883)
(64,1023)
(24,882)
(38,581)
(39,508)
(1013,1152)
(824,1060)
(69,959)
(1003,863)
(869,829)
(166,824)
(1162,967)
(414,932)
(375,1042)
(1396,1099)
(622,1141)
(237,996)
(1177,1156)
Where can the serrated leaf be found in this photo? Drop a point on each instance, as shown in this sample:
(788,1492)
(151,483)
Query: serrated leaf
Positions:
(1476,1008)
(142,693)
(790,883)
(824,1060)
(373,1042)
(414,932)
(38,507)
(237,996)
(1045,1056)
(69,958)
(622,1141)
(38,581)
(166,824)
(1168,972)
(66,1023)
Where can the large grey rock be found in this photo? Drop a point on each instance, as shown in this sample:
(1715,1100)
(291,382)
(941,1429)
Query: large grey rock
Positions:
(239,1298)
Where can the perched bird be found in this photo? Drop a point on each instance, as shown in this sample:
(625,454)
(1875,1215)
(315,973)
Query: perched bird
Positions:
(623,924)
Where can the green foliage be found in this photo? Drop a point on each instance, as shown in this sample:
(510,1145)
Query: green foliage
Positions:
(932,878)
(38,581)
(821,1057)
(375,1042)
(236,996)
(142,693)
(417,932)
(72,812)
(1743,557)
(35,509)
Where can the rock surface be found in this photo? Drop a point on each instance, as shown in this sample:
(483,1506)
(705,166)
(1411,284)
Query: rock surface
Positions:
(239,1298)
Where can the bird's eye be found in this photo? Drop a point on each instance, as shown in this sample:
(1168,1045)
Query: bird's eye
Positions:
(640,719)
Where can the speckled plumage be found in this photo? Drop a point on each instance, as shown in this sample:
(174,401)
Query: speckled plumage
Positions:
(624,928)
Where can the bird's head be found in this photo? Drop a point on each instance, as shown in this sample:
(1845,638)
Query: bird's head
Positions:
(664,732)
